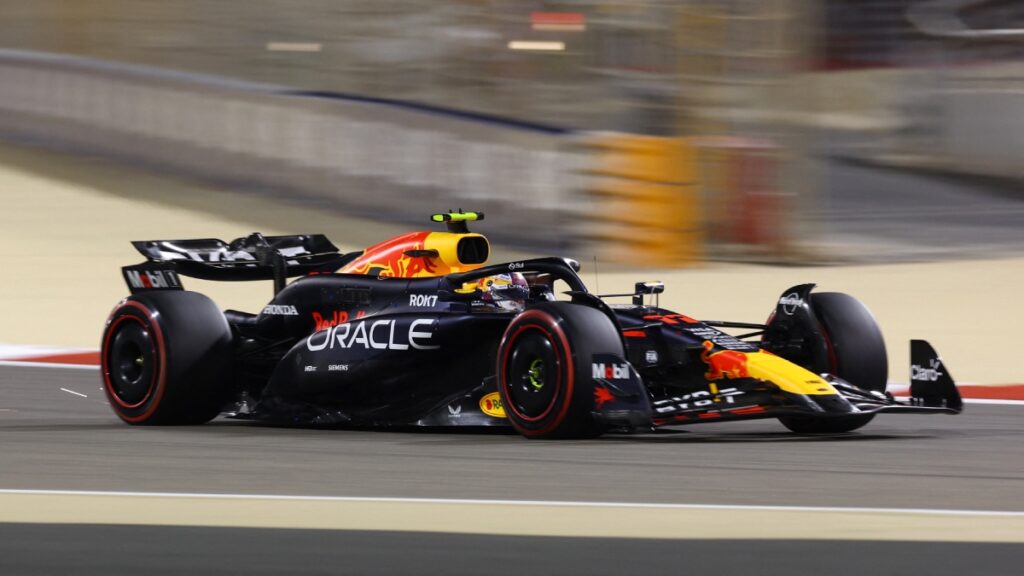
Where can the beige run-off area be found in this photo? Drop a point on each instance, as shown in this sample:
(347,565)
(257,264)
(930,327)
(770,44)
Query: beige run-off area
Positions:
(66,223)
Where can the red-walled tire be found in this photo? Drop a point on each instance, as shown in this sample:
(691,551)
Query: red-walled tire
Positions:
(856,353)
(544,369)
(166,359)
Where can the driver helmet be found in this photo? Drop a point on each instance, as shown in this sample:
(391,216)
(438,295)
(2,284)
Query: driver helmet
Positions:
(506,291)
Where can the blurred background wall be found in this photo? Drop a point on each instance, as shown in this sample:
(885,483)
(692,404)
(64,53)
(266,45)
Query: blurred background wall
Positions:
(688,129)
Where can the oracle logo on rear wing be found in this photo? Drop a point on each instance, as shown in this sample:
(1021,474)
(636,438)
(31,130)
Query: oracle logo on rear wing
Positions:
(145,277)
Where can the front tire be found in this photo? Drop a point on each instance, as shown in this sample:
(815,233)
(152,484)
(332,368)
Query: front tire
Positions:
(544,369)
(166,359)
(856,353)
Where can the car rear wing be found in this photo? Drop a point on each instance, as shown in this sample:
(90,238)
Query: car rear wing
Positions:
(254,257)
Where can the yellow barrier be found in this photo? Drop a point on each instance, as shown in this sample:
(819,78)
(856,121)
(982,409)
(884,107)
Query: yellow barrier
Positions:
(646,209)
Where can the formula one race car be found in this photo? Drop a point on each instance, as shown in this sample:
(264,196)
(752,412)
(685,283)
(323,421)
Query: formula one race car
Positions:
(419,331)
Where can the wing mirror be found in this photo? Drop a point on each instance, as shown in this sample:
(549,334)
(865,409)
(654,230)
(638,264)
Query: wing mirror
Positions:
(640,289)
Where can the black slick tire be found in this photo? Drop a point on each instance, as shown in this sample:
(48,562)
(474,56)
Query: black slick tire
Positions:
(856,353)
(166,359)
(544,369)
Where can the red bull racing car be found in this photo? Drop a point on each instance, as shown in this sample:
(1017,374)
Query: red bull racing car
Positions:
(420,331)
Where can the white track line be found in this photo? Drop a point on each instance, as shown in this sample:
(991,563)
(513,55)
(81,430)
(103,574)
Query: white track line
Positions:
(994,401)
(511,517)
(497,502)
(25,364)
(73,392)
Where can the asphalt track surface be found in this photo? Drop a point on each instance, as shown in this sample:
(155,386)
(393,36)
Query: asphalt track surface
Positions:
(157,551)
(450,502)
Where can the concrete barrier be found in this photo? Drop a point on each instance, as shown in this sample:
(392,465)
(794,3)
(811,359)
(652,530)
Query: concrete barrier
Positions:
(967,120)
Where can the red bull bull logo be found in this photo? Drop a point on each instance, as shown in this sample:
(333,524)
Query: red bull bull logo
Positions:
(602,396)
(391,260)
(724,364)
(421,254)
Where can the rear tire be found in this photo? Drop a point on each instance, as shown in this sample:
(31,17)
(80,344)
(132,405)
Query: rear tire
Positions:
(544,369)
(856,353)
(166,359)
